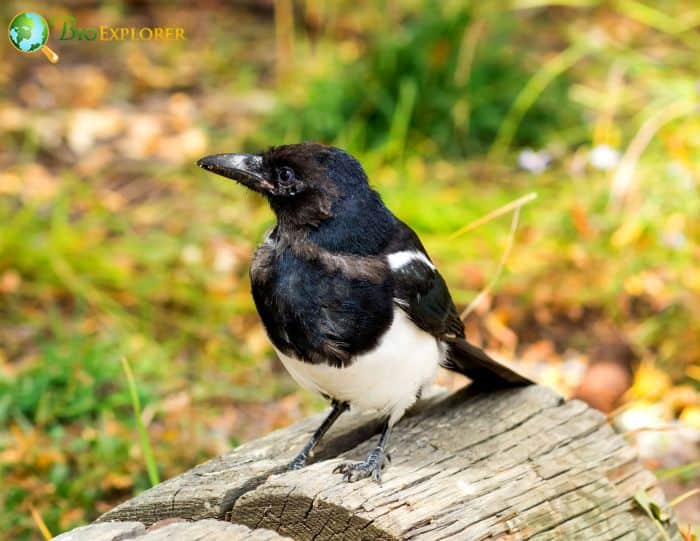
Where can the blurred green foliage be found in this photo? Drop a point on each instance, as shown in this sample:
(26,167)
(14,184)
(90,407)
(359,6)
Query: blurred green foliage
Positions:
(51,394)
(113,244)
(440,83)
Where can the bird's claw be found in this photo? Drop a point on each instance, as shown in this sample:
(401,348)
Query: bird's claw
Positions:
(371,467)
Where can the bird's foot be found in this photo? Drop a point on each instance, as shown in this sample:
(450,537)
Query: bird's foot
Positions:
(371,467)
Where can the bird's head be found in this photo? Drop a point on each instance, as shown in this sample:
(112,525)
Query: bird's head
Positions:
(302,182)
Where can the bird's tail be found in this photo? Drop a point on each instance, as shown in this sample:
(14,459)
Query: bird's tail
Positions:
(474,363)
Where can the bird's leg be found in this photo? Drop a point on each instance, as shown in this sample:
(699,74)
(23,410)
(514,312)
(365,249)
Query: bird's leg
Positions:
(300,460)
(372,466)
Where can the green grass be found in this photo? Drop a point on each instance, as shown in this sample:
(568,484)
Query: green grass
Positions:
(108,255)
(146,449)
(440,85)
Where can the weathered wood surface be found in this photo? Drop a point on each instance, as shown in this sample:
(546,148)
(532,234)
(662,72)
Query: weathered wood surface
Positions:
(514,465)
(202,530)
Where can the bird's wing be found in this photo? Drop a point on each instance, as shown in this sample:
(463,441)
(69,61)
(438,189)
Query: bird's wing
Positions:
(422,293)
(419,289)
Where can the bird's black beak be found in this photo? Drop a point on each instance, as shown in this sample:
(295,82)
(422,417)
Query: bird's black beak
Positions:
(244,168)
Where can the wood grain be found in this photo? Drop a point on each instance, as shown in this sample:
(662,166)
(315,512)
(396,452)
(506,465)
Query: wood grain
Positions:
(203,530)
(520,464)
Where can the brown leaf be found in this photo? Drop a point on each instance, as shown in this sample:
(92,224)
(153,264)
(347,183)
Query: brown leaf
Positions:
(603,385)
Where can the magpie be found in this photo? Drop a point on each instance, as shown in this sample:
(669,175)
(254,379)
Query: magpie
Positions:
(348,296)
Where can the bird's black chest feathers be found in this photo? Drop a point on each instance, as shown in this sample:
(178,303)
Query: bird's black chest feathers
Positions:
(321,308)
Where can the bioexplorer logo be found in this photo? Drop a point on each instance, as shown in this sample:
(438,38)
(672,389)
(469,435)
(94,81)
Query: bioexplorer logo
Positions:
(29,32)
(70,30)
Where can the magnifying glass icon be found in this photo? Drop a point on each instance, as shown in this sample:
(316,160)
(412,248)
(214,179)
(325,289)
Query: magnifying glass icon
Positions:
(29,33)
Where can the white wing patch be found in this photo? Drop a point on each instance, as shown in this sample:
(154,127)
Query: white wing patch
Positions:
(403,258)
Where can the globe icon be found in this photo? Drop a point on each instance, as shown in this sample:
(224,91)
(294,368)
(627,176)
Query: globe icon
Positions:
(29,32)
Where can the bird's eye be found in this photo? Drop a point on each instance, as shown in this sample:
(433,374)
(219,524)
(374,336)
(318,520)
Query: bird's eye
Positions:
(286,175)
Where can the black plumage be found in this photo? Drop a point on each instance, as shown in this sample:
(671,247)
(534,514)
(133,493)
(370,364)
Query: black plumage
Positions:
(328,281)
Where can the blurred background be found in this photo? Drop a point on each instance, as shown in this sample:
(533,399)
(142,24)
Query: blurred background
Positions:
(124,268)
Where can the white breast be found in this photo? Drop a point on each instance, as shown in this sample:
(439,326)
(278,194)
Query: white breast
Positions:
(387,378)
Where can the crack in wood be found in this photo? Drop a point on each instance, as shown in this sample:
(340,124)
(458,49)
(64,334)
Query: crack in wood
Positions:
(510,465)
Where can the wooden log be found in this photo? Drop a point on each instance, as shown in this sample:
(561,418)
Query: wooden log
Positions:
(520,464)
(209,530)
